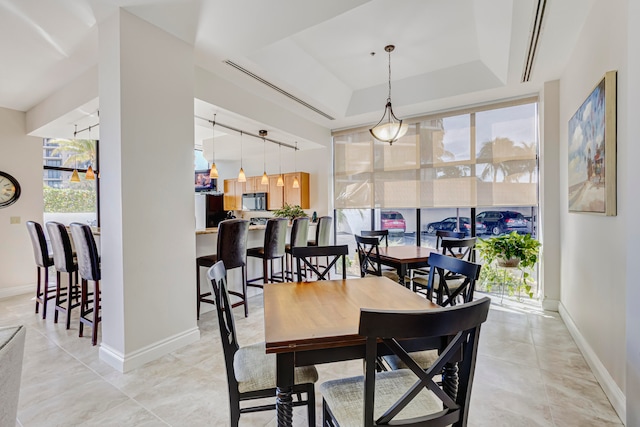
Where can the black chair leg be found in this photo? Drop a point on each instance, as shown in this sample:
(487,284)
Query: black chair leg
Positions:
(45,293)
(69,303)
(96,312)
(38,288)
(311,405)
(197,292)
(57,299)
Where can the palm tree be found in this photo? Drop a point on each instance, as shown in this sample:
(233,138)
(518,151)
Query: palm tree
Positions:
(487,153)
(83,150)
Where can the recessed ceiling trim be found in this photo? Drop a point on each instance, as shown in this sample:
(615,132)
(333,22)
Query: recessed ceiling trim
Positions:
(533,40)
(278,89)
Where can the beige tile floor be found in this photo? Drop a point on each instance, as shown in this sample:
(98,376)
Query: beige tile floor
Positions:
(529,373)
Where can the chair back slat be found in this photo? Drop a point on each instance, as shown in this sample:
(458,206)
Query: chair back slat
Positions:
(458,327)
(449,268)
(86,251)
(304,257)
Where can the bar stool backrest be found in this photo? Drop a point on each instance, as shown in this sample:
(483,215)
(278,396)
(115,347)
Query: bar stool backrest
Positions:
(61,247)
(86,251)
(39,243)
(323,231)
(232,242)
(299,232)
(275,238)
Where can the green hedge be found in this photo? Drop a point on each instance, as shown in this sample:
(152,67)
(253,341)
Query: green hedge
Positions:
(69,200)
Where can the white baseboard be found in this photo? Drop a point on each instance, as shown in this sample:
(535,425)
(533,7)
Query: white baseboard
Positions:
(550,304)
(135,359)
(17,290)
(614,393)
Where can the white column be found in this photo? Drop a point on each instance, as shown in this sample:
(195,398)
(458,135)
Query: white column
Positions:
(550,194)
(147,211)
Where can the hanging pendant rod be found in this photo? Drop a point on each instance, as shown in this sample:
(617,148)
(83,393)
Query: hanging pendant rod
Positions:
(85,129)
(273,141)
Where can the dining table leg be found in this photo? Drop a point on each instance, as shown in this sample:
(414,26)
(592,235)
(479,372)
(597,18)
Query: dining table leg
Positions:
(284,389)
(402,272)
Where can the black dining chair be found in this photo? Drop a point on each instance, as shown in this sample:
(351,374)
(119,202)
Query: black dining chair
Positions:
(64,259)
(44,292)
(251,372)
(449,279)
(410,396)
(89,270)
(305,260)
(368,249)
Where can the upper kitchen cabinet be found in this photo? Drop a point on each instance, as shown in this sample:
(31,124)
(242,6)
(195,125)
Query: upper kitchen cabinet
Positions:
(254,185)
(233,194)
(275,198)
(300,195)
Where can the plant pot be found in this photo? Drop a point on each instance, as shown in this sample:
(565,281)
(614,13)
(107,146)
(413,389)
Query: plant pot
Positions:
(511,262)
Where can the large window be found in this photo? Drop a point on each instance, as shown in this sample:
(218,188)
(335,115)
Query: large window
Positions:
(446,169)
(66,201)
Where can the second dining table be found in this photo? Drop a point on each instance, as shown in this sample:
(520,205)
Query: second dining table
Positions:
(405,258)
(309,323)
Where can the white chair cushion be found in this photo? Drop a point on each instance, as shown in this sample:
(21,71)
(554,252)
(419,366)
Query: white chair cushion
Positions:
(256,370)
(345,398)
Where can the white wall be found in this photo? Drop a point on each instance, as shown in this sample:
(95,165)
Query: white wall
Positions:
(592,247)
(632,177)
(21,157)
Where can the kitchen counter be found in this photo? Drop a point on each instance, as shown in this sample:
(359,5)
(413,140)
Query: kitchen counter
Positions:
(213,230)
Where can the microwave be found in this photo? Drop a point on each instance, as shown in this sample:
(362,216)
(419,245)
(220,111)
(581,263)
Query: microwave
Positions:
(254,202)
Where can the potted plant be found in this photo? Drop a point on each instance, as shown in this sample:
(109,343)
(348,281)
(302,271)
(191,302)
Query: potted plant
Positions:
(519,251)
(289,211)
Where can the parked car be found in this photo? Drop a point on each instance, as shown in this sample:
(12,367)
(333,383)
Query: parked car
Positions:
(451,224)
(499,222)
(392,220)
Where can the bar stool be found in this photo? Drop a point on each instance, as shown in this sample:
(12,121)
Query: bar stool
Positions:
(323,236)
(232,251)
(89,269)
(63,259)
(275,236)
(299,232)
(43,261)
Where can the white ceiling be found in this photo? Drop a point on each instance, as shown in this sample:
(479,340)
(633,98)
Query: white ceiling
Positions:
(449,53)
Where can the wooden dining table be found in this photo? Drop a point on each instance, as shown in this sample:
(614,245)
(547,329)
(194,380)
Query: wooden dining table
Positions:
(308,323)
(405,258)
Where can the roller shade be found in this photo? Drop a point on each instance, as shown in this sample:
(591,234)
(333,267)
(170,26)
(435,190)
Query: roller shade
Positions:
(483,158)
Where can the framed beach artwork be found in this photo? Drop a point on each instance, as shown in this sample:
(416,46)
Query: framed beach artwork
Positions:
(592,151)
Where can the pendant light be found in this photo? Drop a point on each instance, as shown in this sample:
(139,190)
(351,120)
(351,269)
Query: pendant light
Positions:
(280,182)
(89,174)
(296,183)
(213,173)
(389,128)
(241,176)
(74,176)
(265,178)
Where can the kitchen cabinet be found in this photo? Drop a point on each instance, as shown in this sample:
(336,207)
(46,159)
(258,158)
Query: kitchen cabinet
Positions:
(297,196)
(254,185)
(233,194)
(275,197)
